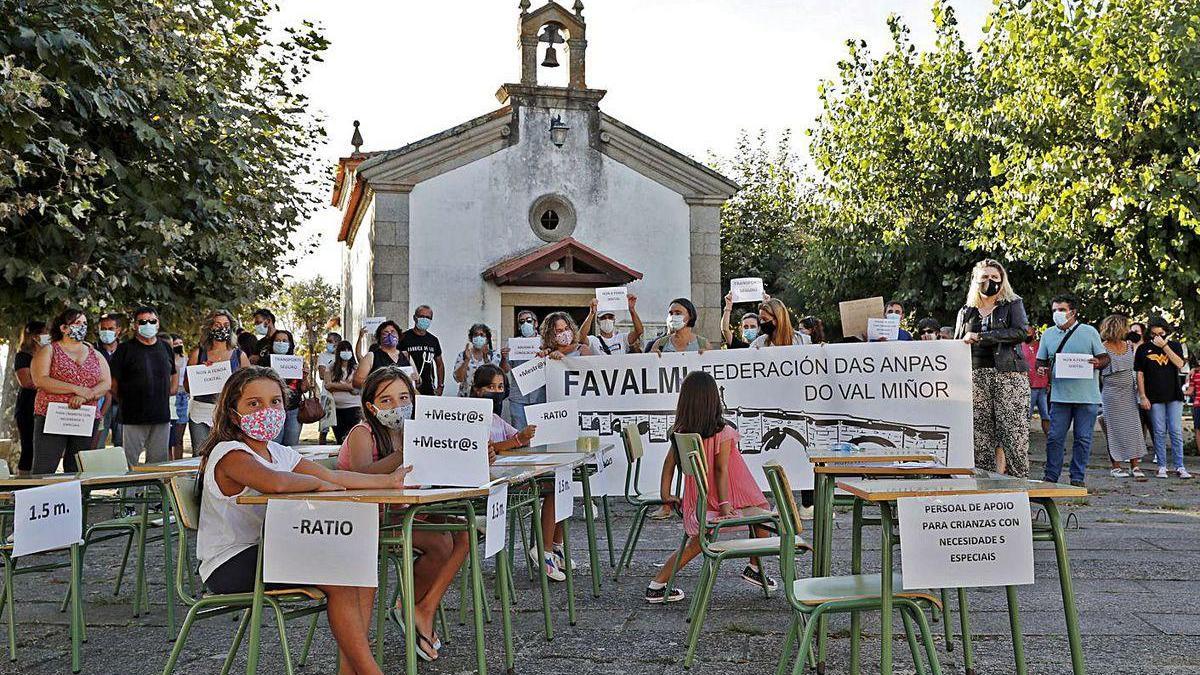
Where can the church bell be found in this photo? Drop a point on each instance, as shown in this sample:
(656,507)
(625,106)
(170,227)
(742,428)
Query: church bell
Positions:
(551,60)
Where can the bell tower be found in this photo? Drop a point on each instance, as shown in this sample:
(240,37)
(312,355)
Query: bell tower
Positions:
(553,25)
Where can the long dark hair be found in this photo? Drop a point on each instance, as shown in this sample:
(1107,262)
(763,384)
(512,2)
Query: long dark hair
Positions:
(375,381)
(225,415)
(336,371)
(29,336)
(483,377)
(700,410)
(815,328)
(385,324)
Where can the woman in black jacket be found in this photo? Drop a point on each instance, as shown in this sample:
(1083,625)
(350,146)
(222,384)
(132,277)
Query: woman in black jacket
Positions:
(993,322)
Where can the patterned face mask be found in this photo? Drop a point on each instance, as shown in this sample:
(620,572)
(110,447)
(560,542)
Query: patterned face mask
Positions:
(220,334)
(393,418)
(564,337)
(77,331)
(263,424)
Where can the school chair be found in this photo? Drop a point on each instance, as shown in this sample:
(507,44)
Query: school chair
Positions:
(713,550)
(634,451)
(301,601)
(812,598)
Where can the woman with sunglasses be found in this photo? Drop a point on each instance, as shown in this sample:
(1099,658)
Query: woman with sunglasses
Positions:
(928,329)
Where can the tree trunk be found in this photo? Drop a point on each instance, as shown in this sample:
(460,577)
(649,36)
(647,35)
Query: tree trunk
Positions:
(8,397)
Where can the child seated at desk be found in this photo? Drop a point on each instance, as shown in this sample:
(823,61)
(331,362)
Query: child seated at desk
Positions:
(239,458)
(489,383)
(376,445)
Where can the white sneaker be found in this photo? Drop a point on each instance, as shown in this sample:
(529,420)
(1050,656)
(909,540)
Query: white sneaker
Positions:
(1162,471)
(550,565)
(1119,472)
(1183,473)
(806,513)
(560,559)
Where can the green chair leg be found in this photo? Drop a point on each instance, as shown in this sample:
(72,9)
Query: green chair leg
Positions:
(504,583)
(9,603)
(703,595)
(312,629)
(635,532)
(566,545)
(1068,590)
(964,619)
(1014,622)
(589,519)
(443,626)
(911,638)
(477,595)
(184,630)
(124,564)
(675,566)
(608,535)
(237,642)
(789,644)
(543,580)
(806,640)
(283,641)
(947,629)
(463,598)
(926,635)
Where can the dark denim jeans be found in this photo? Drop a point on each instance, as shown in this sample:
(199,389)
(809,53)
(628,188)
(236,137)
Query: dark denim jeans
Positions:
(1063,416)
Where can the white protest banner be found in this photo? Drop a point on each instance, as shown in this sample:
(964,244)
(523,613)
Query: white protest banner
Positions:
(886,329)
(1069,366)
(564,500)
(464,410)
(371,324)
(856,312)
(615,299)
(747,289)
(61,419)
(556,422)
(442,453)
(203,380)
(48,517)
(899,396)
(523,349)
(531,375)
(960,541)
(288,367)
(496,533)
(318,542)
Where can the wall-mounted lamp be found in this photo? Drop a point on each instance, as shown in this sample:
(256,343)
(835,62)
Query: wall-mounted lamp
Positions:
(558,131)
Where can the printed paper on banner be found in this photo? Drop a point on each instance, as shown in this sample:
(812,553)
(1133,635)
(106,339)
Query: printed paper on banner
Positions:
(62,420)
(556,422)
(1069,366)
(856,312)
(318,542)
(203,380)
(523,349)
(961,541)
(496,534)
(288,367)
(446,453)
(564,501)
(887,329)
(531,375)
(47,518)
(460,409)
(748,289)
(615,299)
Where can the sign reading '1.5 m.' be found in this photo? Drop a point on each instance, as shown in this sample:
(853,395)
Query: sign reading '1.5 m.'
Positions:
(48,517)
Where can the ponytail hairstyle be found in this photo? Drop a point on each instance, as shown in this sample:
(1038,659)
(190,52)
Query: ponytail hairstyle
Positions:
(225,415)
(376,381)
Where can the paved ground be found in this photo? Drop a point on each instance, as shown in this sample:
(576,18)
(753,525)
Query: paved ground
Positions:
(1135,554)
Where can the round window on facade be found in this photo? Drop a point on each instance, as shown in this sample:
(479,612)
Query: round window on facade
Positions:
(552,218)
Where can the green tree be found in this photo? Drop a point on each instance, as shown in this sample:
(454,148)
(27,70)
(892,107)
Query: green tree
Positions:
(308,305)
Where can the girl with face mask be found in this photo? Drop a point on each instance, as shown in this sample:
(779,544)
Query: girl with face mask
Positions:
(993,322)
(681,336)
(527,327)
(488,382)
(479,351)
(376,445)
(239,458)
(338,379)
(282,344)
(385,352)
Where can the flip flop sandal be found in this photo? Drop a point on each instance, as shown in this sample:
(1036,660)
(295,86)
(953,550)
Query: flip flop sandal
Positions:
(421,652)
(396,614)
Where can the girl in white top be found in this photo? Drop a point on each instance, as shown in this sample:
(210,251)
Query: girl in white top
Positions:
(240,459)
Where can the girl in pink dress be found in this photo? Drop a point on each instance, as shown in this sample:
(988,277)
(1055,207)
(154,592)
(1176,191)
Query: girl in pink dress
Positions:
(732,490)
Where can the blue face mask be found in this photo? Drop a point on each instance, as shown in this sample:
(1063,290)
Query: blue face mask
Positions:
(148,330)
(528,329)
(108,336)
(424,322)
(479,342)
(330,348)
(749,334)
(280,347)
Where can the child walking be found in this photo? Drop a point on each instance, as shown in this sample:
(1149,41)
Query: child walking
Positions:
(239,458)
(732,490)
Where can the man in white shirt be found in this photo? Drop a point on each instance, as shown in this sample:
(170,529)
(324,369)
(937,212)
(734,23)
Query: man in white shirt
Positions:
(609,340)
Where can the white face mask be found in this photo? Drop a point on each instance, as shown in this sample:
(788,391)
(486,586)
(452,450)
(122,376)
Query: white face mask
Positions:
(1060,318)
(346,356)
(607,325)
(675,322)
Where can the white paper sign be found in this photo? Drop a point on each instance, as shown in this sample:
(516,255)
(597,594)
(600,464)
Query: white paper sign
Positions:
(61,419)
(1073,366)
(173,408)
(372,323)
(615,299)
(531,375)
(523,349)
(460,409)
(496,534)
(603,461)
(321,542)
(442,453)
(203,380)
(887,329)
(288,367)
(959,541)
(555,422)
(47,518)
(749,289)
(564,501)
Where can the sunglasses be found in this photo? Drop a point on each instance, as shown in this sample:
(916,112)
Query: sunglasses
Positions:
(929,331)
(143,322)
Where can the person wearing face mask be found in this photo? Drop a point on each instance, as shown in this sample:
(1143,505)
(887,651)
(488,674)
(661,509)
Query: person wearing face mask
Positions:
(488,382)
(814,328)
(34,336)
(1118,390)
(1158,363)
(283,344)
(239,458)
(324,360)
(928,329)
(376,446)
(384,353)
(69,371)
(895,310)
(216,345)
(775,326)
(425,352)
(106,346)
(608,340)
(478,351)
(144,382)
(338,379)
(1074,402)
(744,333)
(264,328)
(994,323)
(1039,394)
(681,336)
(527,327)
(179,424)
(559,337)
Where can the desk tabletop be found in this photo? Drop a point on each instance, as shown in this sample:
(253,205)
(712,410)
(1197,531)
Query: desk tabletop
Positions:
(890,469)
(890,489)
(91,479)
(828,456)
(405,496)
